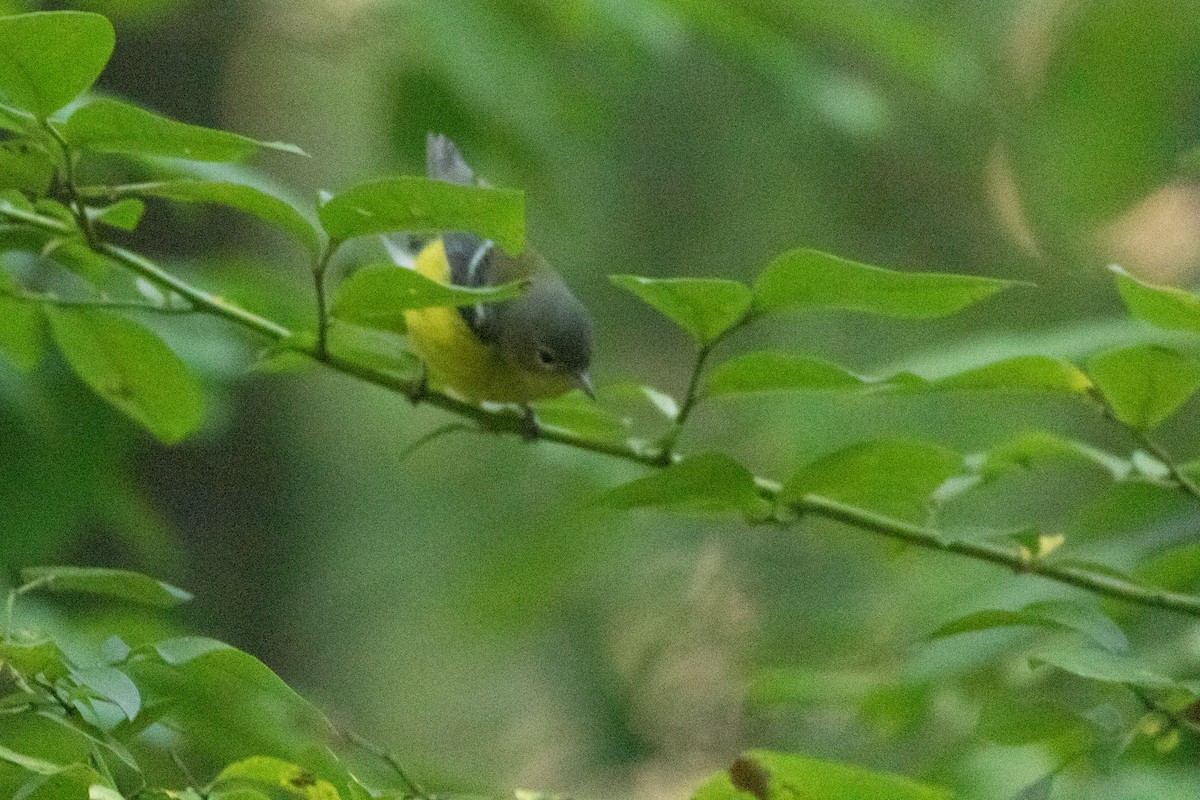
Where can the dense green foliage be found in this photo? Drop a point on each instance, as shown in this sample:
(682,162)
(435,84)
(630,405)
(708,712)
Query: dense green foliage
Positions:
(1073,648)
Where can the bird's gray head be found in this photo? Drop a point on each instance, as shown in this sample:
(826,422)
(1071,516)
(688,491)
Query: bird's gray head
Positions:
(547,330)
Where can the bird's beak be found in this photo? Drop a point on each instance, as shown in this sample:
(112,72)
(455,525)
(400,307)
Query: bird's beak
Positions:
(585,385)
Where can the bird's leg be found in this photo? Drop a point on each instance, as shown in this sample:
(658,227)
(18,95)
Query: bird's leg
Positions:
(531,429)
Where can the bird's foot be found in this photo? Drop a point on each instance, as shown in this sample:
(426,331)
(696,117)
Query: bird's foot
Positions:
(531,429)
(420,389)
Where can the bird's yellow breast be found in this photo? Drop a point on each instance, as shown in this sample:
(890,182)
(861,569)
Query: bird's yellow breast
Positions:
(458,360)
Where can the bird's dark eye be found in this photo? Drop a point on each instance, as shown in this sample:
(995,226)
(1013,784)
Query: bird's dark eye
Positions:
(546,357)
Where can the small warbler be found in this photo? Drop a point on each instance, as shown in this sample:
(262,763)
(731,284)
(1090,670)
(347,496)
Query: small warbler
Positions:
(533,347)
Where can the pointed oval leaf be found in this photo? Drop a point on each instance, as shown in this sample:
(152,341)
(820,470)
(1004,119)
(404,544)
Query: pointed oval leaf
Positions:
(123,214)
(704,307)
(712,482)
(131,368)
(1017,374)
(1101,665)
(1144,385)
(1164,306)
(766,776)
(894,477)
(248,199)
(110,126)
(49,58)
(1030,447)
(1083,619)
(812,279)
(132,586)
(377,296)
(112,685)
(418,205)
(770,372)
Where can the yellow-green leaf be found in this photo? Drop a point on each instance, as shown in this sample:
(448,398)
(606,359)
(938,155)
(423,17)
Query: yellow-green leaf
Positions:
(1145,384)
(50,58)
(1165,306)
(704,307)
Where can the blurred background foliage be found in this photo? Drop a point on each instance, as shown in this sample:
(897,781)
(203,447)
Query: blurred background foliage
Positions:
(465,605)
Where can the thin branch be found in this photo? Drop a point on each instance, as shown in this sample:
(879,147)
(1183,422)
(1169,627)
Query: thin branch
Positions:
(690,397)
(104,303)
(1155,449)
(1152,447)
(414,788)
(506,419)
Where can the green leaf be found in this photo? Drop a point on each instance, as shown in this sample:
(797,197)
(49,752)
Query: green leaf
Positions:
(711,482)
(1080,618)
(894,477)
(1176,568)
(1164,306)
(25,167)
(770,372)
(377,296)
(1017,374)
(21,337)
(581,416)
(771,776)
(1101,665)
(51,58)
(113,685)
(131,368)
(1027,448)
(132,586)
(123,214)
(231,705)
(1013,724)
(1145,384)
(247,199)
(73,782)
(704,307)
(811,279)
(1039,789)
(276,779)
(418,205)
(35,658)
(110,126)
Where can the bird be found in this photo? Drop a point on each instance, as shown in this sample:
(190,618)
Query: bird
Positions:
(533,347)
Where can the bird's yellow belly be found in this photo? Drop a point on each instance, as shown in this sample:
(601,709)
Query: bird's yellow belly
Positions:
(456,359)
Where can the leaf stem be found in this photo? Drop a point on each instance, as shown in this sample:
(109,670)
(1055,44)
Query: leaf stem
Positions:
(320,267)
(1156,450)
(124,305)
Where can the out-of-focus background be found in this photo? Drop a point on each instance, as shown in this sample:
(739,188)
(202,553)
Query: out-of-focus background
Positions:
(465,606)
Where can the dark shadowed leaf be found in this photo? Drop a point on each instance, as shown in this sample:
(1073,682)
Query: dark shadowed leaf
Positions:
(110,126)
(418,205)
(704,307)
(131,368)
(51,58)
(711,482)
(120,583)
(1145,384)
(378,296)
(893,477)
(812,279)
(1165,306)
